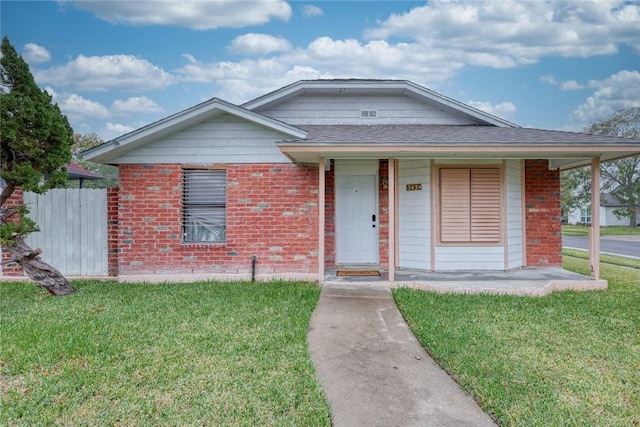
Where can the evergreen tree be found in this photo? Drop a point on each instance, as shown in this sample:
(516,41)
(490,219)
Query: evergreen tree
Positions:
(35,141)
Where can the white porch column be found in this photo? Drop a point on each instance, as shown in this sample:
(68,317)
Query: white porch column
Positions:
(392,219)
(321,206)
(594,232)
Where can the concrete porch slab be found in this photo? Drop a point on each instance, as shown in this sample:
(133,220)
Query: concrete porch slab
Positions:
(526,281)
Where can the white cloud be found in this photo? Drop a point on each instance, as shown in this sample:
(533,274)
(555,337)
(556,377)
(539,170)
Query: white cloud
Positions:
(548,79)
(565,85)
(35,54)
(113,130)
(116,127)
(136,104)
(110,72)
(236,81)
(194,14)
(571,85)
(618,91)
(312,10)
(258,44)
(322,58)
(511,33)
(77,107)
(504,109)
(437,40)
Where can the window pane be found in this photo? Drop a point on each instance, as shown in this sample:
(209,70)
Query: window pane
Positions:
(205,187)
(204,206)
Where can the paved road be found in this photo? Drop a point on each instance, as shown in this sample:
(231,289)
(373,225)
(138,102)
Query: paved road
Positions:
(620,245)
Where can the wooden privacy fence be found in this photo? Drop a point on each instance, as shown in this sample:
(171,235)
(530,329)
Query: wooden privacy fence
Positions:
(74,229)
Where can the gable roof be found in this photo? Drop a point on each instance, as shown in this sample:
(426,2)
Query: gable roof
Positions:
(382,87)
(180,121)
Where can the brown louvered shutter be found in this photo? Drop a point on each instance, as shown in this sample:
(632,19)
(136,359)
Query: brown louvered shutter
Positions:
(455,206)
(470,204)
(485,205)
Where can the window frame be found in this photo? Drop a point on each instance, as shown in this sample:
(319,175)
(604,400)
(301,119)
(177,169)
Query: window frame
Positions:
(584,214)
(437,205)
(215,205)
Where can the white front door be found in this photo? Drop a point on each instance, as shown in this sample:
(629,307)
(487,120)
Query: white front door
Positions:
(356,219)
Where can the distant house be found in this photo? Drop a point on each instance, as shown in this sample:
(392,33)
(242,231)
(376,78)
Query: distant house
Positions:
(608,204)
(376,173)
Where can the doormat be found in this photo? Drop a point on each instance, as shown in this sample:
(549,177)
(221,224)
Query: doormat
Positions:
(358,273)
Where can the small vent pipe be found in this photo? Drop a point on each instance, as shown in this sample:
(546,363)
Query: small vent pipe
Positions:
(253,268)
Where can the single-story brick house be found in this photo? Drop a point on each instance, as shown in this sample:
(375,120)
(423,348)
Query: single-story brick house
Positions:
(325,173)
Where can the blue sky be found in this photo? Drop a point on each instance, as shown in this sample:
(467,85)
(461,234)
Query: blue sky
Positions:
(114,66)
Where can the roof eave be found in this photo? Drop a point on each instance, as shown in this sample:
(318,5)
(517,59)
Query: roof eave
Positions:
(565,156)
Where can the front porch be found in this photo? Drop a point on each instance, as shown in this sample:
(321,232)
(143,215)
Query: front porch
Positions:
(514,226)
(524,281)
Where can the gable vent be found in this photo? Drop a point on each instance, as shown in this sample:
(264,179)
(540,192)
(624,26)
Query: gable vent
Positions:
(368,114)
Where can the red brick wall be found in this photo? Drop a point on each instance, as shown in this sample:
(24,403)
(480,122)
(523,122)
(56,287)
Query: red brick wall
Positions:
(330,217)
(12,269)
(113,228)
(383,211)
(272,212)
(543,215)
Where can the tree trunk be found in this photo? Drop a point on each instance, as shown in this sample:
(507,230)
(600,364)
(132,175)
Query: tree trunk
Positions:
(39,271)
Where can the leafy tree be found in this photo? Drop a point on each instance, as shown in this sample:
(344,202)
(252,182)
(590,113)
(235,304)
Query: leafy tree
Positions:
(618,177)
(575,189)
(109,173)
(622,177)
(35,144)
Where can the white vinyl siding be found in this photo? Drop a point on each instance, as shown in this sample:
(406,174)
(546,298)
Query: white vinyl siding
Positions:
(223,139)
(470,204)
(204,206)
(450,258)
(514,213)
(414,224)
(345,109)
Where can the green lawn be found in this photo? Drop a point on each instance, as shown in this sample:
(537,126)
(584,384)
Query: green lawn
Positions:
(571,358)
(171,354)
(583,230)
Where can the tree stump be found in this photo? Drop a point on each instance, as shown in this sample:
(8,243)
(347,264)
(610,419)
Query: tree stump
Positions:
(39,271)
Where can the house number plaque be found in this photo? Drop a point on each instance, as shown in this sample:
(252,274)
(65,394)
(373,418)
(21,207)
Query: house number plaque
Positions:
(414,187)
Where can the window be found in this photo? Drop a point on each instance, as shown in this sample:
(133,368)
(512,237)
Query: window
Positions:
(204,203)
(585,216)
(470,205)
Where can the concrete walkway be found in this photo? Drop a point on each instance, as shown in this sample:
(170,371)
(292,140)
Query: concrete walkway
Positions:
(373,370)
